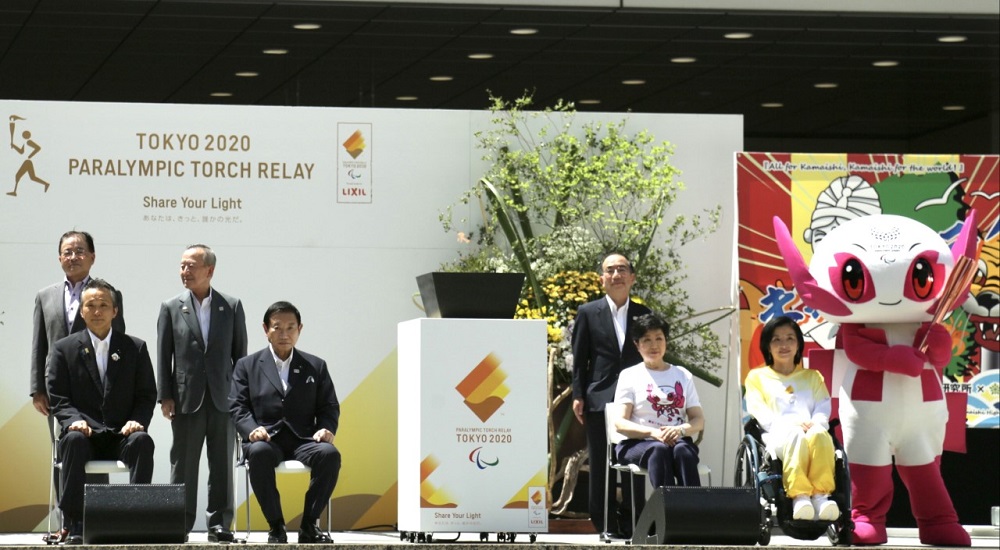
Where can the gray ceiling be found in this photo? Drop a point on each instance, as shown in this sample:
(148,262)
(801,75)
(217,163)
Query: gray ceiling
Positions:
(368,54)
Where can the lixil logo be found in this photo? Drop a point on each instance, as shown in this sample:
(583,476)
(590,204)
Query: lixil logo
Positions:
(483,388)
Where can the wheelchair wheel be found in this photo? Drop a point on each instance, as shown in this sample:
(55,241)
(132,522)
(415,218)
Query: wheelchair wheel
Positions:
(747,467)
(841,531)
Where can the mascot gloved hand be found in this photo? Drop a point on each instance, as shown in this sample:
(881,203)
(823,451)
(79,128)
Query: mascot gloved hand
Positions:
(882,277)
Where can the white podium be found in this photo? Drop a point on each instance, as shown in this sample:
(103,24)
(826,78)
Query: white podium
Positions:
(472,427)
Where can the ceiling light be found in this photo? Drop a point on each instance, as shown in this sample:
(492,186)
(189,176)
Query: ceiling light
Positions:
(442,78)
(480,56)
(221,94)
(683,59)
(247,74)
(406,98)
(885,63)
(954,107)
(738,35)
(633,82)
(952,39)
(275,51)
(524,31)
(307,26)
(825,85)
(589,102)
(772,105)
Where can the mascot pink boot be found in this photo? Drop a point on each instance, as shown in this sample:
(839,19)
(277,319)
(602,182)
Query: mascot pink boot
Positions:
(881,277)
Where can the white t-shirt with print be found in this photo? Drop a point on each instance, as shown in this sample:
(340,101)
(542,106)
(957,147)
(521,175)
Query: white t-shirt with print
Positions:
(658,397)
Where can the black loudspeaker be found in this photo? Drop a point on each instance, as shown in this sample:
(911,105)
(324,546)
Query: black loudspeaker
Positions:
(133,514)
(699,515)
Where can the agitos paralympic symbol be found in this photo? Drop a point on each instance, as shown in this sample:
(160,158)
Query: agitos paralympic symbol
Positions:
(476,457)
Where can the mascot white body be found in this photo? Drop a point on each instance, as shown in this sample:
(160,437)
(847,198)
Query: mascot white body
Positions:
(882,277)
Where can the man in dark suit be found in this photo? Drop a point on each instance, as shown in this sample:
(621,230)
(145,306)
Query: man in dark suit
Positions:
(57,309)
(201,333)
(102,392)
(285,407)
(601,349)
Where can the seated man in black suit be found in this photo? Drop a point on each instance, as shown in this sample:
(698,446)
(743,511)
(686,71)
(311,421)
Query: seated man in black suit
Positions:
(102,392)
(285,408)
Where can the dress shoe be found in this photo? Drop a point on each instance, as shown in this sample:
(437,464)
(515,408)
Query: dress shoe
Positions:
(219,534)
(310,534)
(75,535)
(277,535)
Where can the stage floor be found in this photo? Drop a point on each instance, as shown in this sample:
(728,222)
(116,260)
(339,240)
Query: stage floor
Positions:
(982,537)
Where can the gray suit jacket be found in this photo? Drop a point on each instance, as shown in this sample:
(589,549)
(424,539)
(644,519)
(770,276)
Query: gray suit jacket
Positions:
(50,326)
(186,364)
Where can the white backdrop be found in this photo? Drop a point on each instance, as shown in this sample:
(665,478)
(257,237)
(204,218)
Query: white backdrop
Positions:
(347,259)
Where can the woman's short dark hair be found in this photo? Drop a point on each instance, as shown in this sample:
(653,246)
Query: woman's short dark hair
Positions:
(648,323)
(768,333)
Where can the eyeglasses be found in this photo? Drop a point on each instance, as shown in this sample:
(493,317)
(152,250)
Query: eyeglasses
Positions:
(613,269)
(71,252)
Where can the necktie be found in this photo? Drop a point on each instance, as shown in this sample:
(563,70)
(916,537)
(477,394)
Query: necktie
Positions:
(102,359)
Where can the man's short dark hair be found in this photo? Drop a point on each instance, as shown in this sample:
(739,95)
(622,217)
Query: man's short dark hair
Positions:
(648,323)
(768,333)
(101,284)
(74,233)
(281,307)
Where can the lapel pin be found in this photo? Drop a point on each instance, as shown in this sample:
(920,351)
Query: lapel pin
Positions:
(220,308)
(296,371)
(310,380)
(114,356)
(184,309)
(86,351)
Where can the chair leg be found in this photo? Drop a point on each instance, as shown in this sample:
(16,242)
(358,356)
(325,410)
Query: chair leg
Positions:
(605,536)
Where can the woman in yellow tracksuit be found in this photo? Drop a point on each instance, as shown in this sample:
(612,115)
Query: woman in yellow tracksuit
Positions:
(792,405)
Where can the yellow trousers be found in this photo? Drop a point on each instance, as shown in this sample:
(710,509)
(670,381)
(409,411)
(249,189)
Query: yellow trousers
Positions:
(807,463)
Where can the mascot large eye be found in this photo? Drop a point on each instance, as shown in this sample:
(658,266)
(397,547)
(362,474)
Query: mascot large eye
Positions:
(850,279)
(852,276)
(922,278)
(926,277)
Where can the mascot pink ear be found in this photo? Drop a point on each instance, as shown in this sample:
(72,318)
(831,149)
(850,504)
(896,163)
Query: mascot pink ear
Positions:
(805,284)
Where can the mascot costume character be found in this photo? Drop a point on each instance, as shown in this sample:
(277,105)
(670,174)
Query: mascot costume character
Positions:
(881,277)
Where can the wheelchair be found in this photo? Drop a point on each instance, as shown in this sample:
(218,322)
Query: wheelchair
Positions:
(756,468)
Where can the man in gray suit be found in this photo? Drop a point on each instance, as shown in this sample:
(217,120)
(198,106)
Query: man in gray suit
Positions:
(57,309)
(201,333)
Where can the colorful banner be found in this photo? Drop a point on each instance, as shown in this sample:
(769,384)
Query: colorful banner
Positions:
(813,193)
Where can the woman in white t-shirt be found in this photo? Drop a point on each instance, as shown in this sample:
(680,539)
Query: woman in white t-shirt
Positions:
(660,410)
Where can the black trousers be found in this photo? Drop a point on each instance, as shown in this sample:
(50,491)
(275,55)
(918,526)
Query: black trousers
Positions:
(263,457)
(75,449)
(619,517)
(192,432)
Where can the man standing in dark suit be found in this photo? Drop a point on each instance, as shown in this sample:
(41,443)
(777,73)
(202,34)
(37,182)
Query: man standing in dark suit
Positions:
(601,349)
(285,407)
(102,392)
(57,309)
(201,333)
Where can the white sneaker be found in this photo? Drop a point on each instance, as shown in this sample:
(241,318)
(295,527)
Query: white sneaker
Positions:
(802,508)
(826,509)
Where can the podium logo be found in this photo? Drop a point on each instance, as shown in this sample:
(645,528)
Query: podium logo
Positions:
(476,457)
(484,388)
(355,145)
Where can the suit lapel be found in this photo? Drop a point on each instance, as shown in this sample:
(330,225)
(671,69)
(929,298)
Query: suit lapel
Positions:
(219,312)
(298,371)
(114,365)
(607,321)
(88,357)
(269,368)
(190,315)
